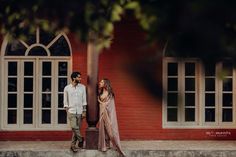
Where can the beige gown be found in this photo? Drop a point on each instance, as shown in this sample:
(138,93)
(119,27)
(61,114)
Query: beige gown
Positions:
(108,127)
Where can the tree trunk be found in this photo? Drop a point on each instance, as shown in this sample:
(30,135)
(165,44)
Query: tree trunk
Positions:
(92,79)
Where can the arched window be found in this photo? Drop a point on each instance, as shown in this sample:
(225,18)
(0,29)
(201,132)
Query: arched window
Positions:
(34,74)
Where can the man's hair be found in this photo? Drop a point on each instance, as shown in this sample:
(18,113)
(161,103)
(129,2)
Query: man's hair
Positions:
(74,75)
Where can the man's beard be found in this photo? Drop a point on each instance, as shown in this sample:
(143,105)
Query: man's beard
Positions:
(77,81)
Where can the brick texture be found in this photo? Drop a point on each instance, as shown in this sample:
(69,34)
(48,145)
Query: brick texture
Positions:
(135,74)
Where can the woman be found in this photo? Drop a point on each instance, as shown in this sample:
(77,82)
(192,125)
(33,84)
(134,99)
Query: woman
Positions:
(108,127)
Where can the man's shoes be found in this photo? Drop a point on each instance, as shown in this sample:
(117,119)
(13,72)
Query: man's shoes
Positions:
(74,149)
(81,143)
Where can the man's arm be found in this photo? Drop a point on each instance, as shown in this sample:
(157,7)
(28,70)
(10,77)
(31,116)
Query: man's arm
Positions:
(84,103)
(65,100)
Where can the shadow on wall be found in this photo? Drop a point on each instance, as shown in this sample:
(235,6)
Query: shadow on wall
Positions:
(148,72)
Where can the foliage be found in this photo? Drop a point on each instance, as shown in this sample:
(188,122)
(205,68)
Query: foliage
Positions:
(78,16)
(194,28)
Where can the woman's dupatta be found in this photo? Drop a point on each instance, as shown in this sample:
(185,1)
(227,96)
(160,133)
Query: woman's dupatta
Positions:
(108,125)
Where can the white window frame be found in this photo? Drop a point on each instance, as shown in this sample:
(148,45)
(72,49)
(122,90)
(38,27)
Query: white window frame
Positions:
(181,91)
(199,96)
(1,92)
(36,59)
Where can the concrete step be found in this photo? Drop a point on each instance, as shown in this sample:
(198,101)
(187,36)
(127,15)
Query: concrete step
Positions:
(112,153)
(130,148)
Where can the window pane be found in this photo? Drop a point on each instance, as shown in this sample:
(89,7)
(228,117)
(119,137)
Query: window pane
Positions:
(60,47)
(227,115)
(46,37)
(61,84)
(46,84)
(210,115)
(189,69)
(189,99)
(28,116)
(11,118)
(62,118)
(12,99)
(46,116)
(15,48)
(227,84)
(189,114)
(172,84)
(210,70)
(210,99)
(172,99)
(28,100)
(31,38)
(227,99)
(62,69)
(28,69)
(46,100)
(12,84)
(209,84)
(12,68)
(172,69)
(189,84)
(60,100)
(46,69)
(37,51)
(172,114)
(28,84)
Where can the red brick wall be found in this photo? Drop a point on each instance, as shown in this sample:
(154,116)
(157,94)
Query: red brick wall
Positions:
(139,106)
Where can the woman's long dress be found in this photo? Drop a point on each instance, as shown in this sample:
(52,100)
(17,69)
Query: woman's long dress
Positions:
(108,127)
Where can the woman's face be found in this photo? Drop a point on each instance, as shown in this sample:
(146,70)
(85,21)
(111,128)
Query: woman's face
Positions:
(101,84)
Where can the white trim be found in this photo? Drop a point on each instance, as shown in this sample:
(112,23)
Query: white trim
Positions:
(68,42)
(37,36)
(24,43)
(1,89)
(37,45)
(4,45)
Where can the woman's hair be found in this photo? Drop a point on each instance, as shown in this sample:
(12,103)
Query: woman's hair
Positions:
(107,86)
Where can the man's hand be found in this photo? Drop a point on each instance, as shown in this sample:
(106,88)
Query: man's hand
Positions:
(83,114)
(66,108)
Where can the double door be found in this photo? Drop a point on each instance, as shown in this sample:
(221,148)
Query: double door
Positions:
(33,95)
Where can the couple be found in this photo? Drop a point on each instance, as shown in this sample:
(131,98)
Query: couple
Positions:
(75,105)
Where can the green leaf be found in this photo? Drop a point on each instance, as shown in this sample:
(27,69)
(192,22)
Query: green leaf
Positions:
(108,29)
(107,43)
(32,30)
(116,13)
(118,9)
(45,25)
(23,37)
(132,5)
(144,23)
(115,17)
(11,18)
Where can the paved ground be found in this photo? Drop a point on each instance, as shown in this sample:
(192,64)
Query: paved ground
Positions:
(131,148)
(126,145)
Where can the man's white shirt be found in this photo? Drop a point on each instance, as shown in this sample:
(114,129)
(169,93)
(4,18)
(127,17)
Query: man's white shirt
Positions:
(75,98)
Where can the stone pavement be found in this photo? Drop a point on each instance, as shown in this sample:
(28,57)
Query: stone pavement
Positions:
(164,148)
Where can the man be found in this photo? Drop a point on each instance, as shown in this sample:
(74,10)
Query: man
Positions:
(75,105)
